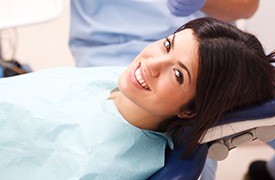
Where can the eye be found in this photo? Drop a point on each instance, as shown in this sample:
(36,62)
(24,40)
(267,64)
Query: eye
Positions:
(178,76)
(167,45)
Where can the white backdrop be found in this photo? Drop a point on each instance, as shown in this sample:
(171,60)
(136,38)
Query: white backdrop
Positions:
(262,24)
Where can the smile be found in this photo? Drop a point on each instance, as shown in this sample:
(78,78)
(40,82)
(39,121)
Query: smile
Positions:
(140,80)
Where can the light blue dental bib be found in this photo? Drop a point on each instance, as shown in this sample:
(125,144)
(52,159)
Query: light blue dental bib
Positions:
(58,124)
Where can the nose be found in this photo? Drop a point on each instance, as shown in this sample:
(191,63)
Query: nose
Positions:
(156,65)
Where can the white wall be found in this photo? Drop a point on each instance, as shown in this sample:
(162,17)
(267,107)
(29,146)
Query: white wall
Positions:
(262,24)
(46,45)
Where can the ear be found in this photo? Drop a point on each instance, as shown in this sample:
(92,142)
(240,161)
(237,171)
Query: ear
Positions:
(187,114)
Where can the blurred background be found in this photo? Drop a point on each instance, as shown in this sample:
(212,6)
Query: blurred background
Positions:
(44,44)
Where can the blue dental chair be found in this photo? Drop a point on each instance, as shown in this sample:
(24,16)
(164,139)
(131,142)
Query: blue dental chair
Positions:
(242,126)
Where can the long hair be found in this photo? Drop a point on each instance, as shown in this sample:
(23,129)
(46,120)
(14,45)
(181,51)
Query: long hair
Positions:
(233,72)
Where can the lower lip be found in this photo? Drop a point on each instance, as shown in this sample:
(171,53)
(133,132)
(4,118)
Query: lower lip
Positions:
(133,78)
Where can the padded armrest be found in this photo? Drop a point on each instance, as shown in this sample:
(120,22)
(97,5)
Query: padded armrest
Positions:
(189,168)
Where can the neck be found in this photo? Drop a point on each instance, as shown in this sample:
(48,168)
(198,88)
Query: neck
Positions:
(133,113)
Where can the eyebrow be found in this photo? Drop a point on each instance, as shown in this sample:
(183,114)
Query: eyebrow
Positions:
(186,69)
(180,63)
(173,40)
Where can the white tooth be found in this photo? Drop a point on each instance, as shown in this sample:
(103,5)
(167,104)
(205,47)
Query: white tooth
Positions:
(138,77)
(143,84)
(138,71)
(141,81)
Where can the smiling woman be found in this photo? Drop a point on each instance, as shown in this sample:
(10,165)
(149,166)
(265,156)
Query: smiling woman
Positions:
(69,123)
(204,70)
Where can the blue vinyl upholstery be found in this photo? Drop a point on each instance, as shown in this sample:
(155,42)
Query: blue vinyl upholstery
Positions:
(188,169)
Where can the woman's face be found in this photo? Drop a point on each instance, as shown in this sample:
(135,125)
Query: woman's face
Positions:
(162,77)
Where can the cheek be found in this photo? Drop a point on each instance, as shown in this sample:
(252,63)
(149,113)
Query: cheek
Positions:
(170,99)
(174,96)
(169,90)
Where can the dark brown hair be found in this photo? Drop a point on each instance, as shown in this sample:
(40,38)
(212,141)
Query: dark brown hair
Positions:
(233,72)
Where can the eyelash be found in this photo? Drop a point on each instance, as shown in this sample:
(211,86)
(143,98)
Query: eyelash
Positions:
(178,76)
(167,45)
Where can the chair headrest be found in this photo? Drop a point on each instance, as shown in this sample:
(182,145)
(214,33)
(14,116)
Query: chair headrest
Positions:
(257,111)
